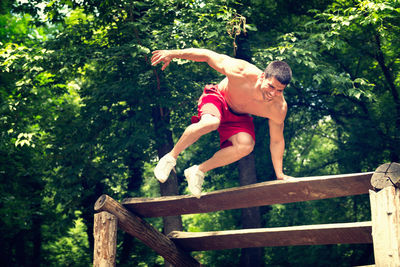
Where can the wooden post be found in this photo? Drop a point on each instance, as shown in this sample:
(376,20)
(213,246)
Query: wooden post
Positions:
(105,239)
(142,230)
(385,214)
(387,174)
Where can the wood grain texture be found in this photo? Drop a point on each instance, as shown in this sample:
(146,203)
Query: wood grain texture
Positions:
(339,233)
(260,194)
(143,231)
(385,214)
(105,239)
(387,174)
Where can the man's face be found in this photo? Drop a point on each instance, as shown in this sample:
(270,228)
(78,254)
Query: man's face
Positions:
(271,88)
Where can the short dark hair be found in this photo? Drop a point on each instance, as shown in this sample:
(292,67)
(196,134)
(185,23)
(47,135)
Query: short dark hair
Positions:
(280,70)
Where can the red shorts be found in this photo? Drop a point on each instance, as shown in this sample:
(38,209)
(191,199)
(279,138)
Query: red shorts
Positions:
(231,123)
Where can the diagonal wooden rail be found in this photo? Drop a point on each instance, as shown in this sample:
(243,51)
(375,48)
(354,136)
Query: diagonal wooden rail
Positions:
(260,194)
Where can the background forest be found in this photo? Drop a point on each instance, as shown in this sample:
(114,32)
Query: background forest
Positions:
(83,113)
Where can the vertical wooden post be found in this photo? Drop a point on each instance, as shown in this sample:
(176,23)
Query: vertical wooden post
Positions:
(385,215)
(105,239)
(139,228)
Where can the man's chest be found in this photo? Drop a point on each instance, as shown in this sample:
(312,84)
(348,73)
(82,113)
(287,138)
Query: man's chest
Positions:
(250,103)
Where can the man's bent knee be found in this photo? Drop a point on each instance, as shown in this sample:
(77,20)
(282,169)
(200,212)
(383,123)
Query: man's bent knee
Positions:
(244,149)
(244,143)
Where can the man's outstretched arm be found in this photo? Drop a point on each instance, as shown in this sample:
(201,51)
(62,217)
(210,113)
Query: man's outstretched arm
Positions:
(222,63)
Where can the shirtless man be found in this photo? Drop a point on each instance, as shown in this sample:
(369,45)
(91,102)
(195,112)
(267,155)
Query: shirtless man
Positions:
(226,107)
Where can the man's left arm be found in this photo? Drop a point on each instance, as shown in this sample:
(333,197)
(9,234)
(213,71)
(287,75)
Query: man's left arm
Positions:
(277,148)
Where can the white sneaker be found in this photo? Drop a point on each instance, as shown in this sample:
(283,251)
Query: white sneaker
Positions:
(164,167)
(195,179)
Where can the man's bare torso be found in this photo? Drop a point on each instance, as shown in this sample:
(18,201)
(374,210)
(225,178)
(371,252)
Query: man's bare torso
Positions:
(244,96)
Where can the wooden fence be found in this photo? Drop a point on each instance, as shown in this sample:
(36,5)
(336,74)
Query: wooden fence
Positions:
(383,230)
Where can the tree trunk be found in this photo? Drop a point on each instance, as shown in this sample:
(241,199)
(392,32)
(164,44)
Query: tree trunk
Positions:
(164,145)
(387,73)
(135,181)
(21,255)
(251,218)
(90,174)
(37,240)
(170,187)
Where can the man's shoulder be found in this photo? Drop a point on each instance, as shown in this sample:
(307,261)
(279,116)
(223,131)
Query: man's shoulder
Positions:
(282,107)
(252,70)
(279,111)
(245,69)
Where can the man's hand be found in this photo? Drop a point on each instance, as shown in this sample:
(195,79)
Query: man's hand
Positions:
(284,177)
(161,56)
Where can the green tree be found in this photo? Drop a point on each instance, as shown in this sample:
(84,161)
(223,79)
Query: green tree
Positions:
(28,104)
(106,53)
(83,113)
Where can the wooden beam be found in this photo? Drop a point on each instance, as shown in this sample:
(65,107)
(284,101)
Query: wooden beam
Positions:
(340,233)
(142,230)
(105,239)
(260,194)
(385,214)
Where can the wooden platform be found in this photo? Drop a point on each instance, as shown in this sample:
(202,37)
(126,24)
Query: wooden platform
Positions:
(260,194)
(338,233)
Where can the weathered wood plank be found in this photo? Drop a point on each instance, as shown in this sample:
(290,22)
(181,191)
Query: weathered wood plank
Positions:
(339,233)
(260,194)
(142,230)
(385,214)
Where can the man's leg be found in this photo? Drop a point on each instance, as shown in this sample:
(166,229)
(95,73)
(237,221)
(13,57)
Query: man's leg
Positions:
(242,145)
(191,134)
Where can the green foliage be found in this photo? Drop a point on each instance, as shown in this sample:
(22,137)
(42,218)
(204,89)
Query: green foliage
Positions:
(70,249)
(78,98)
